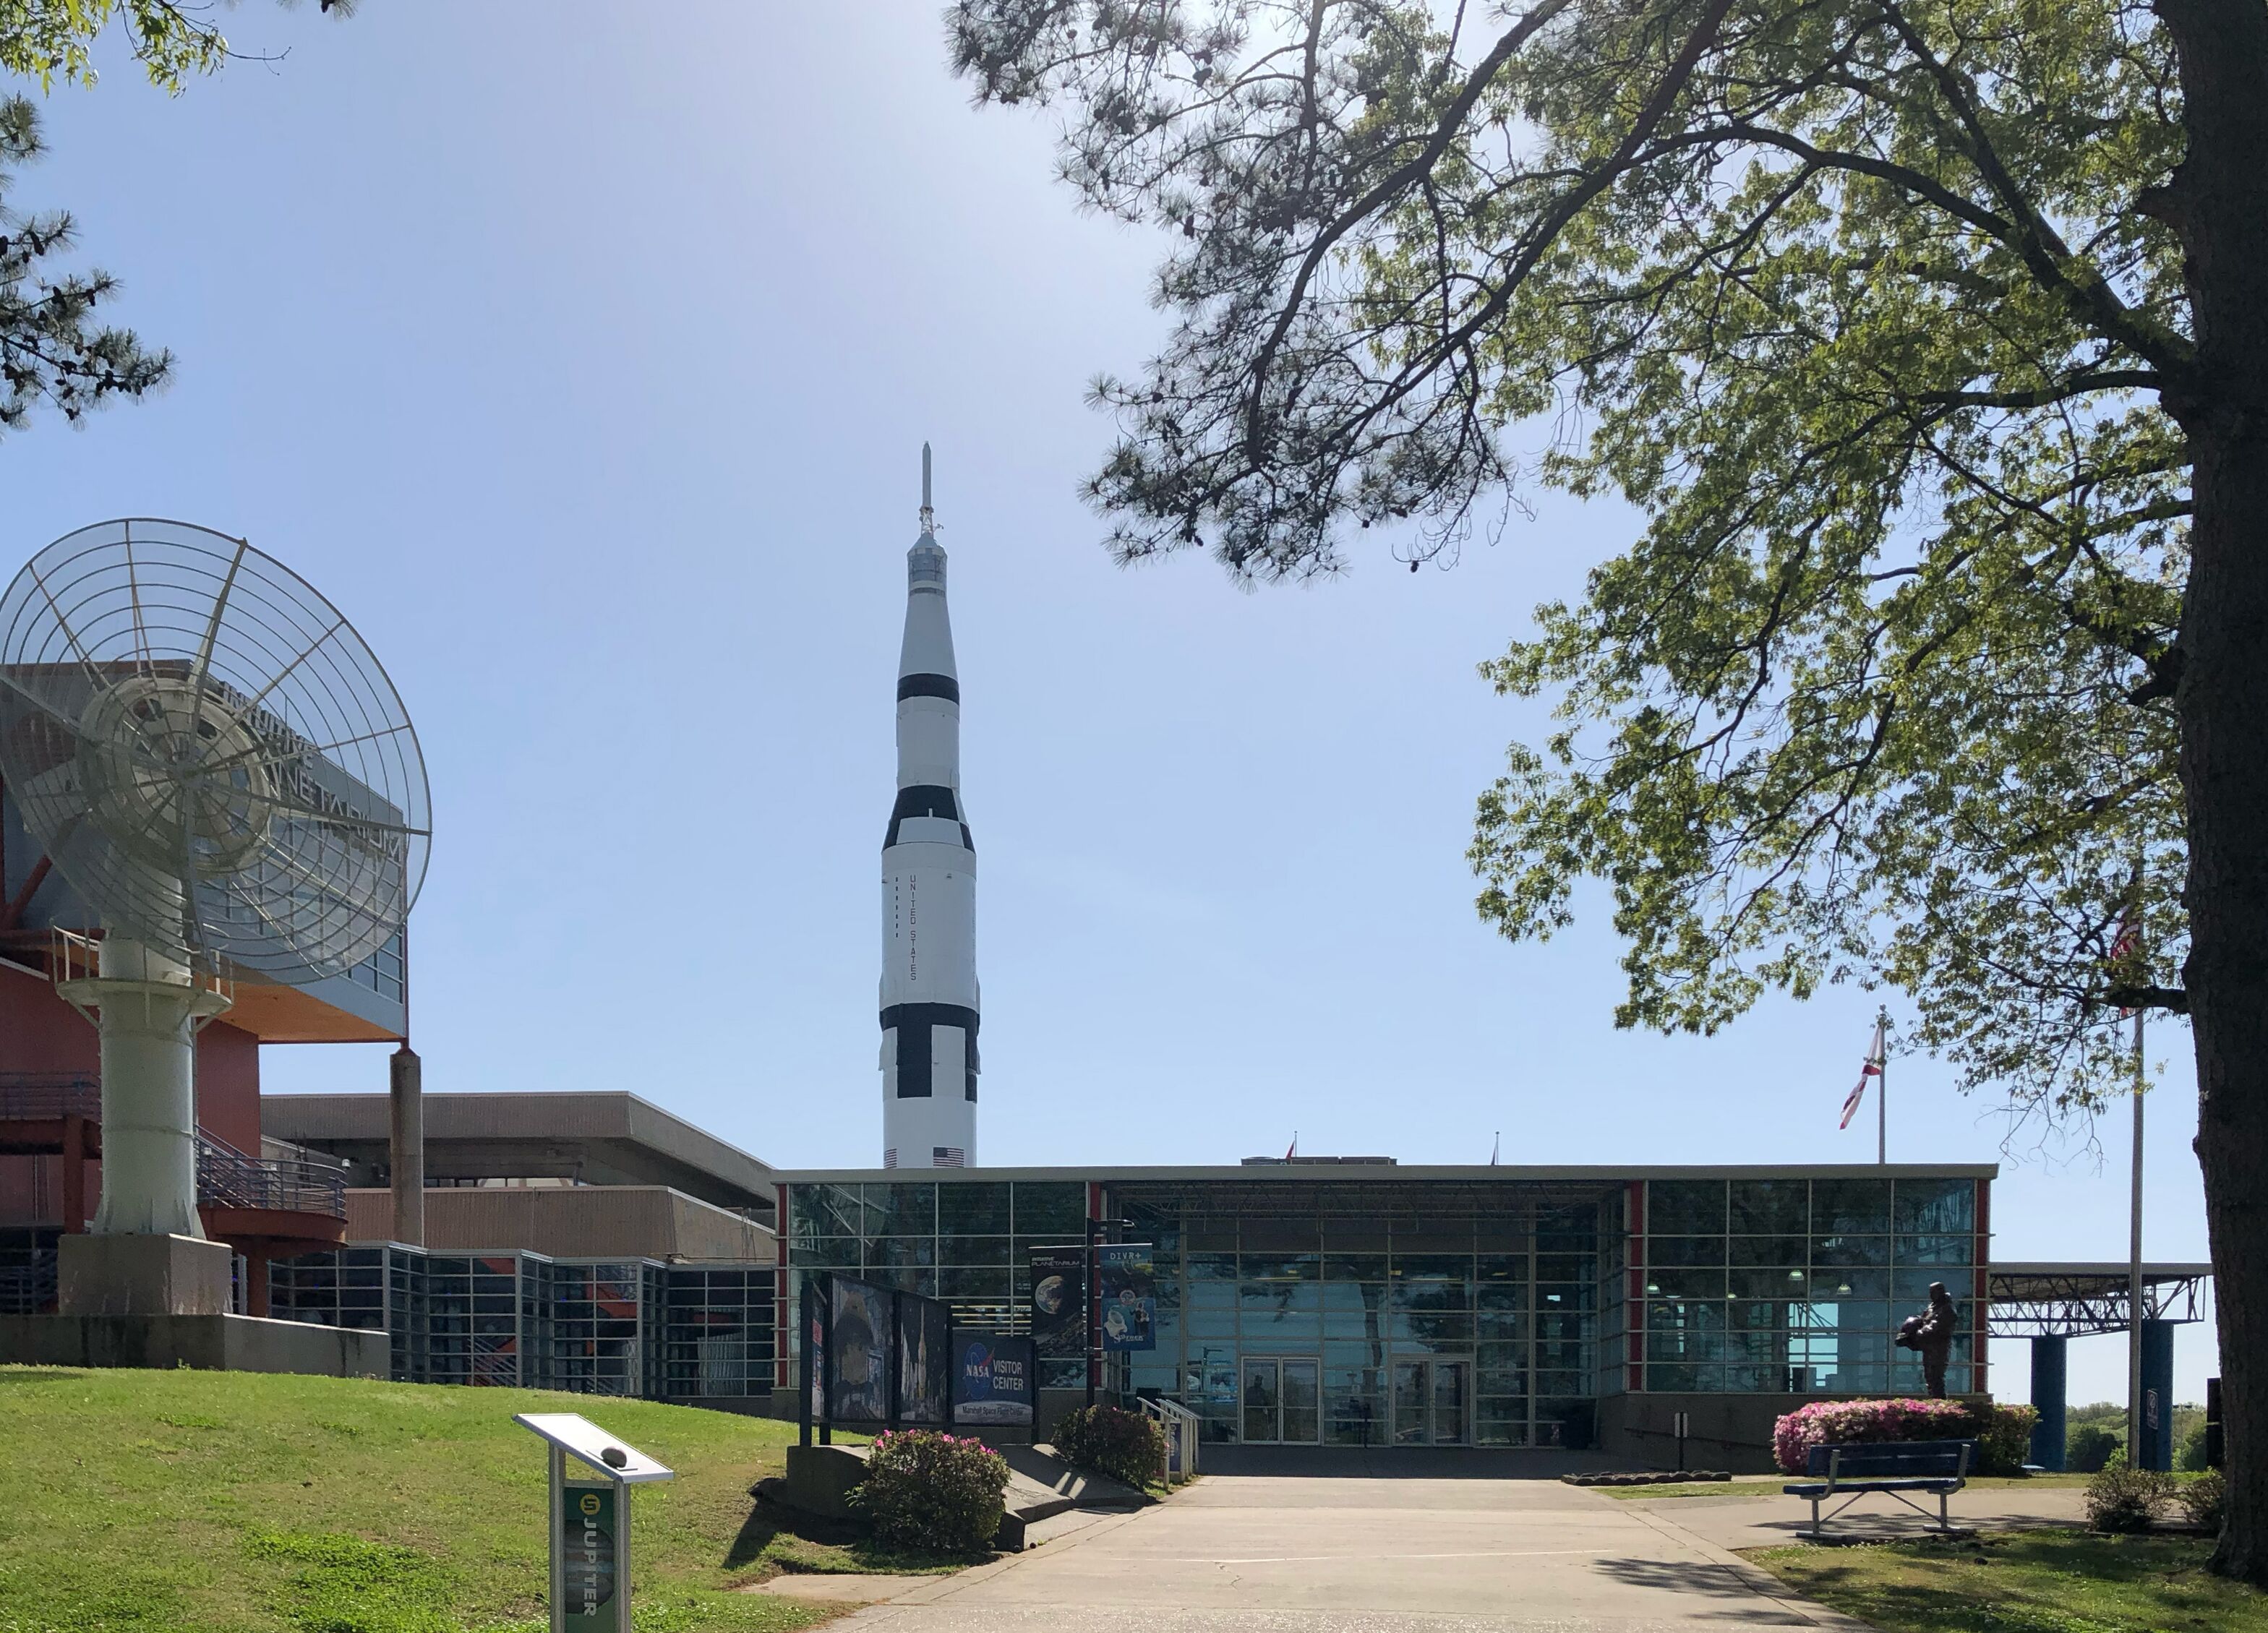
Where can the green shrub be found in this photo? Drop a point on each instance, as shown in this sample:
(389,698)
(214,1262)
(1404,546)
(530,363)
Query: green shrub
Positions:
(1125,1446)
(2125,1499)
(2087,1448)
(2203,1499)
(2189,1456)
(2004,1437)
(927,1489)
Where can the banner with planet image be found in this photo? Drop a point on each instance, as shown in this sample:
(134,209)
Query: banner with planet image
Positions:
(1059,1301)
(858,1354)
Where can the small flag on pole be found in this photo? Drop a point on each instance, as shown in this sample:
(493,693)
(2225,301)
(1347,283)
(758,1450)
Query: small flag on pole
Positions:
(1871,1069)
(2122,948)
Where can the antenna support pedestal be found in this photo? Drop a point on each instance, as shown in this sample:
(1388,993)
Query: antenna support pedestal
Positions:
(147,1008)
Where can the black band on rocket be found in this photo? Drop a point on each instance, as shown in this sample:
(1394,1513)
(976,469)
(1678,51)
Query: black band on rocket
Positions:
(912,1022)
(929,686)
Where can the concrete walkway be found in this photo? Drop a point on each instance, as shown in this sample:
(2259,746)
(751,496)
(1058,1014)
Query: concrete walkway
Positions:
(1268,1555)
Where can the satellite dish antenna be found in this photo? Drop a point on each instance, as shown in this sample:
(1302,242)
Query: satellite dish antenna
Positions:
(217,764)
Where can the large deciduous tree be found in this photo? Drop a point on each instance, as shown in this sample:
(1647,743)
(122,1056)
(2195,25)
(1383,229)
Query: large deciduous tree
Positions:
(1930,337)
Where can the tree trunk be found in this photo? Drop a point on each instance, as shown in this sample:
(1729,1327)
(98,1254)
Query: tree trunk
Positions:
(2219,205)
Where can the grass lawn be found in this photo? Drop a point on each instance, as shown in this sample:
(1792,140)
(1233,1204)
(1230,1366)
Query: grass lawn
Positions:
(2025,1582)
(1769,1485)
(181,1502)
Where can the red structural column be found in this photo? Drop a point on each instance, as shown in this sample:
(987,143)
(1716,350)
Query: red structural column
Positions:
(74,1174)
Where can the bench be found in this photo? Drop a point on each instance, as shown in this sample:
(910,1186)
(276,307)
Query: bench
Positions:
(1892,1466)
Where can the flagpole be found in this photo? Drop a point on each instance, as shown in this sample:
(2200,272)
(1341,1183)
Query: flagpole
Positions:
(1883,1086)
(2134,1271)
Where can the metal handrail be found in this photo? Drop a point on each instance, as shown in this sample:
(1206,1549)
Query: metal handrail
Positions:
(46,1096)
(29,1288)
(1182,1429)
(227,1178)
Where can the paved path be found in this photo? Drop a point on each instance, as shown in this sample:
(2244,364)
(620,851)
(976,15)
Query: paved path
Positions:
(1260,1555)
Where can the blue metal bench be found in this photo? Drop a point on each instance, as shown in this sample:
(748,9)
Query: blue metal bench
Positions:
(1892,1466)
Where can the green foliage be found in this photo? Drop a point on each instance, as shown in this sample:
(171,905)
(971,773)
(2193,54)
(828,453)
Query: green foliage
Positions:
(925,1489)
(2004,1437)
(53,348)
(2088,1447)
(2189,1449)
(2203,1499)
(2126,1499)
(49,39)
(1861,307)
(44,40)
(1127,1446)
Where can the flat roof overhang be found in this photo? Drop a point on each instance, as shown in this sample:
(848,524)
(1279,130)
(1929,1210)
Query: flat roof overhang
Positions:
(1359,1189)
(598,1138)
(1394,1173)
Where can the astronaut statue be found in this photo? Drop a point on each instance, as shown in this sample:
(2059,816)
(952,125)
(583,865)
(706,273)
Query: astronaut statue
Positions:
(1931,1333)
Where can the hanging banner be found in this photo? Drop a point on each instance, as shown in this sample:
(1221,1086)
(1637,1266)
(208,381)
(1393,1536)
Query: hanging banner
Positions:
(1059,1300)
(924,1360)
(1128,1273)
(859,1339)
(992,1377)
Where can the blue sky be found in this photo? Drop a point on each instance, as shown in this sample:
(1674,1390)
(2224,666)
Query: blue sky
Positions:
(583,355)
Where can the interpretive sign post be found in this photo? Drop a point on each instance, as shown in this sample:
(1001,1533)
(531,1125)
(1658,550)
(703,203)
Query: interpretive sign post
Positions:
(590,1521)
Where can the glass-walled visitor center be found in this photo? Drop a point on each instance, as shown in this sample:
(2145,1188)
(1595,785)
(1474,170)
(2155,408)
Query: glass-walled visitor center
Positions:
(1349,1303)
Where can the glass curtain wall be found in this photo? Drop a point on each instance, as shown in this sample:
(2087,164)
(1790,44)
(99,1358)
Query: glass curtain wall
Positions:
(967,1243)
(716,1337)
(1427,1328)
(1796,1286)
(374,1288)
(599,1327)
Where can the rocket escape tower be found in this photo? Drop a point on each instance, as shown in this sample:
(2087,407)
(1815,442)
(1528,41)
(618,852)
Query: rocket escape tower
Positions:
(929,999)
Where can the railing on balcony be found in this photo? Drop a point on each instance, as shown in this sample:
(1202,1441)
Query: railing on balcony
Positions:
(227,1178)
(28,1288)
(48,1096)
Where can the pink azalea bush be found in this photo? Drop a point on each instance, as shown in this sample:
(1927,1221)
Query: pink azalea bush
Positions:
(931,1491)
(2004,1432)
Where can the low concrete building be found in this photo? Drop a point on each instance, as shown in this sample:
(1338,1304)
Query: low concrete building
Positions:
(600,1138)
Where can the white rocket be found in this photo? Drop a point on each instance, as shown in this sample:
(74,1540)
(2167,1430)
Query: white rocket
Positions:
(929,894)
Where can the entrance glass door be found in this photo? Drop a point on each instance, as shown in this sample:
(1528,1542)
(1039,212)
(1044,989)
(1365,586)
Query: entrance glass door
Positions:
(1283,1401)
(1432,1402)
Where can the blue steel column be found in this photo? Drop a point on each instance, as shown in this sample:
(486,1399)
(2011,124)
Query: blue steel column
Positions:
(2157,1395)
(2050,1357)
